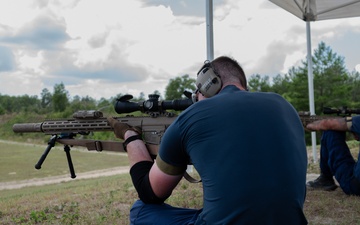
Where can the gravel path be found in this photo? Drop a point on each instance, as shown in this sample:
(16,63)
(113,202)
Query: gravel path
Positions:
(86,175)
(63,178)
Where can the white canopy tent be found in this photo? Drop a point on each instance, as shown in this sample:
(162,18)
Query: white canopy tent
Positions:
(314,10)
(307,10)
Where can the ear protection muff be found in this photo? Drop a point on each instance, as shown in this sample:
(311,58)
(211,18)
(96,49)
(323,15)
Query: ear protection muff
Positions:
(208,82)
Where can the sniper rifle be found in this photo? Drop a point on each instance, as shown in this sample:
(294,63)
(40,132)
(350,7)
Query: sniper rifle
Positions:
(307,118)
(153,125)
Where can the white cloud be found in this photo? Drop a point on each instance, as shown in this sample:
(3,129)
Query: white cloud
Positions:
(102,48)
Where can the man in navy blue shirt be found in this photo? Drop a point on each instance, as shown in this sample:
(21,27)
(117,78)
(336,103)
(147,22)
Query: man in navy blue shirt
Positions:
(248,148)
(335,157)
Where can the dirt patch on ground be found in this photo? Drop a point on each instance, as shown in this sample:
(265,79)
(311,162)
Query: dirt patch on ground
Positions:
(63,178)
(86,175)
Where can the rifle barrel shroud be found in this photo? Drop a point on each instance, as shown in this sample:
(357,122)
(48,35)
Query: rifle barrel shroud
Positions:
(153,128)
(63,126)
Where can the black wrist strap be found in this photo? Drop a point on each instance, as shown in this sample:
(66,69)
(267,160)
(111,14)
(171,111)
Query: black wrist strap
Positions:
(130,139)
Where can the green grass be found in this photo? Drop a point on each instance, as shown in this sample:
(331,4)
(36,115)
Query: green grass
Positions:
(73,202)
(17,161)
(95,201)
(107,200)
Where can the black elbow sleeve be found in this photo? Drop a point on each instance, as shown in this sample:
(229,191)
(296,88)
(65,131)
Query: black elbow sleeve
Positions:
(140,177)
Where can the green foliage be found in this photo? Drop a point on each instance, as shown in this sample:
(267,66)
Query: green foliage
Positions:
(353,85)
(281,85)
(330,79)
(8,120)
(101,136)
(60,98)
(2,110)
(299,94)
(259,83)
(37,217)
(176,87)
(84,103)
(333,84)
(25,103)
(46,98)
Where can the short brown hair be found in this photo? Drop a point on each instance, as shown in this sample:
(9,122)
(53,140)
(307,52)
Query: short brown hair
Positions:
(229,70)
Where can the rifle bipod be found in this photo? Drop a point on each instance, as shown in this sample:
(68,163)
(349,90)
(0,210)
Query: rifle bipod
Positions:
(51,143)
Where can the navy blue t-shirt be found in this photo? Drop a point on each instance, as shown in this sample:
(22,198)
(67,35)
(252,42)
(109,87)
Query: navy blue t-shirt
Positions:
(355,128)
(249,149)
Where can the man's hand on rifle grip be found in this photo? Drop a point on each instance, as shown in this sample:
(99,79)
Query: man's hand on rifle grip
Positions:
(121,128)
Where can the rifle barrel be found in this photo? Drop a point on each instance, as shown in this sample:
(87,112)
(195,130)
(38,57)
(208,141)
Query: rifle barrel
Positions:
(64,126)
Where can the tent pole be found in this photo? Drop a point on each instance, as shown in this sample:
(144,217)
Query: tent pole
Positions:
(209,30)
(311,86)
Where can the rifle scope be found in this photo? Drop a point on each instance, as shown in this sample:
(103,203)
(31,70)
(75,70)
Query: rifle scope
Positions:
(153,104)
(341,111)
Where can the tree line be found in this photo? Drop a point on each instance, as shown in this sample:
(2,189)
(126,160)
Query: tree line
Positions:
(334,86)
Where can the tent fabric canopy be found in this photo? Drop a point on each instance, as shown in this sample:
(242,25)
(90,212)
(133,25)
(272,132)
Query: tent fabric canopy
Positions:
(314,10)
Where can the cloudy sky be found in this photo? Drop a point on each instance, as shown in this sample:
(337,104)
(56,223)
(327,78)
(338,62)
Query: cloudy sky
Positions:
(103,48)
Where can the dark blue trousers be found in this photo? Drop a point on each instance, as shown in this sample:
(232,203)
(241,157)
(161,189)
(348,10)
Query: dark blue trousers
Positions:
(163,214)
(336,160)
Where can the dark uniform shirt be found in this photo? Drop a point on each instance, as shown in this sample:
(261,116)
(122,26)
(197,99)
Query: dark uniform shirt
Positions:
(250,152)
(355,128)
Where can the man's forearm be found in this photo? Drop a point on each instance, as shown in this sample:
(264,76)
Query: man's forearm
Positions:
(339,124)
(136,149)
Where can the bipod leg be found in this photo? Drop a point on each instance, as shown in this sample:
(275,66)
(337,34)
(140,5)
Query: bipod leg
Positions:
(51,144)
(68,156)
